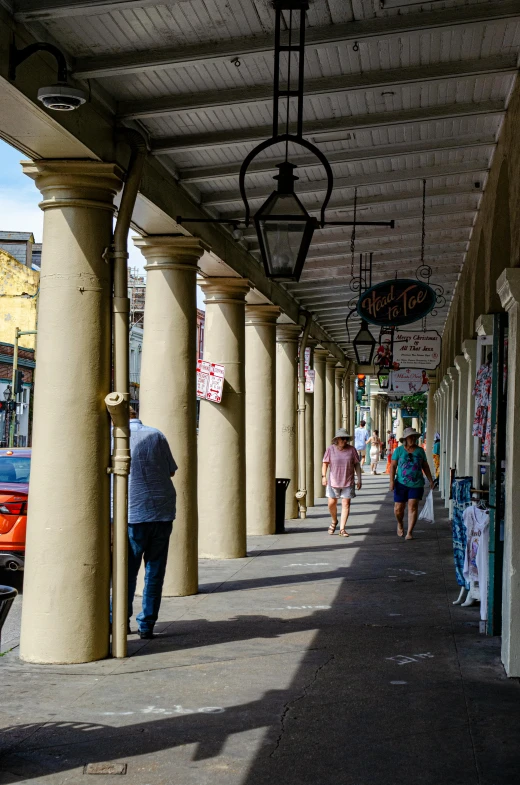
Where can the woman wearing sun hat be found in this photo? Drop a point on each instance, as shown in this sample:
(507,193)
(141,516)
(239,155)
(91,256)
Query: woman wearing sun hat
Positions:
(343,461)
(409,463)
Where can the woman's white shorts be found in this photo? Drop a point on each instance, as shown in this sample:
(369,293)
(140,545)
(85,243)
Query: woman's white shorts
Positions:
(340,493)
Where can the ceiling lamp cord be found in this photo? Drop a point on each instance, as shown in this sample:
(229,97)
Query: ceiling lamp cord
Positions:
(353,237)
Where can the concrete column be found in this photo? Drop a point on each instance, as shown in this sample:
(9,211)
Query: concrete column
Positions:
(444,435)
(389,419)
(508,287)
(320,356)
(373,412)
(222,448)
(167,396)
(286,408)
(345,402)
(452,424)
(261,417)
(352,404)
(462,367)
(431,421)
(469,349)
(65,613)
(330,400)
(309,433)
(338,396)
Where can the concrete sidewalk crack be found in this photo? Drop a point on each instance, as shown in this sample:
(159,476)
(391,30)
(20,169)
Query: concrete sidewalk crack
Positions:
(287,706)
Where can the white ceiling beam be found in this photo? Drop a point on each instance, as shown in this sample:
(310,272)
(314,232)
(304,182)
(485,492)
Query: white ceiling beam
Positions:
(205,53)
(210,173)
(335,128)
(456,231)
(479,167)
(369,80)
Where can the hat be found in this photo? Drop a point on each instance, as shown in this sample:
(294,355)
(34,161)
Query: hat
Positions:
(342,433)
(409,432)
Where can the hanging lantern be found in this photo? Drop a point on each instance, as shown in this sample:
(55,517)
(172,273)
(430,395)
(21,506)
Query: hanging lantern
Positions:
(284,229)
(383,378)
(364,344)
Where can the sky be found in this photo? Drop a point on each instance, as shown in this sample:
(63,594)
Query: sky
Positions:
(19,211)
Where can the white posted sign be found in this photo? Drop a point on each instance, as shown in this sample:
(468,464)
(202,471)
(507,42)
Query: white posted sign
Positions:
(210,381)
(409,381)
(417,349)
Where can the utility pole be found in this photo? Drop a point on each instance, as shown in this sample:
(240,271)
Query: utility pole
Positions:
(14,393)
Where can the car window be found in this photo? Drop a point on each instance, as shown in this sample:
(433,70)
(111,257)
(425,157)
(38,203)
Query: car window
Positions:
(14,469)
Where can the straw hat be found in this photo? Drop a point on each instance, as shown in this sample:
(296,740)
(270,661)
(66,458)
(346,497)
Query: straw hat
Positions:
(409,432)
(342,433)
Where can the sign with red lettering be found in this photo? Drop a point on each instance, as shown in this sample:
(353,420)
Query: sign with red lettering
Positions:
(210,381)
(397,302)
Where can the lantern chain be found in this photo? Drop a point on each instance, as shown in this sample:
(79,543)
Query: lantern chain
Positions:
(353,236)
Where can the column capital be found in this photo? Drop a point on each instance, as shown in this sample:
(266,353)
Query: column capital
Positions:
(331,360)
(261,315)
(469,349)
(75,183)
(460,363)
(452,373)
(444,383)
(288,333)
(508,287)
(484,324)
(320,354)
(312,342)
(340,372)
(170,251)
(225,290)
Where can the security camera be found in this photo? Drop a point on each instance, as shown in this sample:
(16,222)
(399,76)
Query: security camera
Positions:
(61,97)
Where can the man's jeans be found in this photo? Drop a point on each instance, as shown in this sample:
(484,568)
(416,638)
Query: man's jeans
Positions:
(148,540)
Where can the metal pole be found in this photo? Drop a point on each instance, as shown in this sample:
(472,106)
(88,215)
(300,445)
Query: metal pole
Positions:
(12,424)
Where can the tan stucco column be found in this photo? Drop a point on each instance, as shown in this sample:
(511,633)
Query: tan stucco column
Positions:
(222,449)
(339,373)
(462,423)
(320,356)
(352,404)
(286,412)
(508,287)
(431,421)
(330,399)
(469,349)
(167,395)
(309,432)
(344,401)
(261,417)
(444,435)
(452,425)
(65,614)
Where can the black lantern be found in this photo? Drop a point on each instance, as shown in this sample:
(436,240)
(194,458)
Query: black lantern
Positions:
(364,344)
(284,229)
(383,378)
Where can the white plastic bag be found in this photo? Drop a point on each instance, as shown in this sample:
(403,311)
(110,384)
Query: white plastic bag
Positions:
(426,513)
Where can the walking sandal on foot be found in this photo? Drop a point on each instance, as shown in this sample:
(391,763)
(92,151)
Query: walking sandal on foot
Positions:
(332,527)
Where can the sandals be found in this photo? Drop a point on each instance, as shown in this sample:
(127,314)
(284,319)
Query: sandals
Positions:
(343,533)
(400,530)
(332,527)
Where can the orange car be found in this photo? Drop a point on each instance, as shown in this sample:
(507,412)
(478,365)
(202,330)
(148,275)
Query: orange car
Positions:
(15,467)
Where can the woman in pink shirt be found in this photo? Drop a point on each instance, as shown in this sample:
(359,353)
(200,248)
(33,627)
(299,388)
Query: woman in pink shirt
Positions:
(343,461)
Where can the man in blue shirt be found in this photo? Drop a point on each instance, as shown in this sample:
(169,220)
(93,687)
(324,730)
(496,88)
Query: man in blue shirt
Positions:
(151,512)
(361,436)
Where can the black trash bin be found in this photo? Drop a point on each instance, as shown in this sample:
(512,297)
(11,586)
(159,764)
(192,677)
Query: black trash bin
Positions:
(7,595)
(281,488)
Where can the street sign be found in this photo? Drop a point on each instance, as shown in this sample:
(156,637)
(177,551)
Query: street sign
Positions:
(396,302)
(210,381)
(409,381)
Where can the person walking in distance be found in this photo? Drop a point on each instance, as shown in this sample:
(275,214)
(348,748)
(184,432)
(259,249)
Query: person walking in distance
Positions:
(409,464)
(151,512)
(361,437)
(375,451)
(436,454)
(343,461)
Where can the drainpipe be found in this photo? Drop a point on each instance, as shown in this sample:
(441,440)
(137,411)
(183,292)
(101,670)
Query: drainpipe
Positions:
(301,495)
(117,402)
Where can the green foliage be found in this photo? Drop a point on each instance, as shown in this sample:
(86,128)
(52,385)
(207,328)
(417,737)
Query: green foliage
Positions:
(416,402)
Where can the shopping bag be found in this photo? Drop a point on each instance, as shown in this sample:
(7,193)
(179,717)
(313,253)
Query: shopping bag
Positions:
(426,513)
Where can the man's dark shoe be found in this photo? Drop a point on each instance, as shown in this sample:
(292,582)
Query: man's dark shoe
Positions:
(146,634)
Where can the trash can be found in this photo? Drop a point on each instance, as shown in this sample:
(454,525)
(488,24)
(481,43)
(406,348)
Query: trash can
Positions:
(281,487)
(7,595)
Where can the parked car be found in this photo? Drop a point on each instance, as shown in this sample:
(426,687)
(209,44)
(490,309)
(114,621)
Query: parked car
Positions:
(15,468)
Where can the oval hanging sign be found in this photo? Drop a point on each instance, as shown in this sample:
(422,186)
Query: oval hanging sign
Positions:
(397,302)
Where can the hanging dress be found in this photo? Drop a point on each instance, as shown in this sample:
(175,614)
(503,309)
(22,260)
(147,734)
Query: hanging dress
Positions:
(482,421)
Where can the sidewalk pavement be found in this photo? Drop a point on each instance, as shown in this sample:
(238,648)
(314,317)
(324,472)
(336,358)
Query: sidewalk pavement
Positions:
(317,660)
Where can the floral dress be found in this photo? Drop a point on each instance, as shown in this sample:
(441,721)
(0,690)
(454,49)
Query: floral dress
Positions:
(482,421)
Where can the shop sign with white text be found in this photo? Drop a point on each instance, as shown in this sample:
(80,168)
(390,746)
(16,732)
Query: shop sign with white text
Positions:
(397,302)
